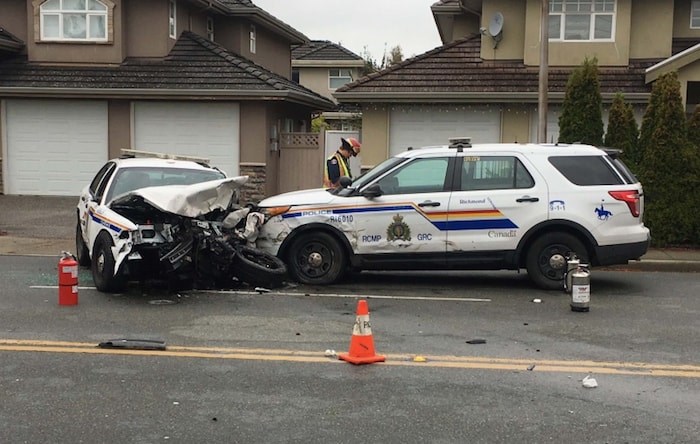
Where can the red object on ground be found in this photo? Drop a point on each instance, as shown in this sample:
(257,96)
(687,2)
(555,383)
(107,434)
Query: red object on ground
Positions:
(67,280)
(362,342)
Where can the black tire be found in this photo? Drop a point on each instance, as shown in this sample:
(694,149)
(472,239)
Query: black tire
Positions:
(103,266)
(259,268)
(317,259)
(546,259)
(82,255)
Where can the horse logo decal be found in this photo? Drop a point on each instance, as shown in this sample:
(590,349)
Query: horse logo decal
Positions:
(602,213)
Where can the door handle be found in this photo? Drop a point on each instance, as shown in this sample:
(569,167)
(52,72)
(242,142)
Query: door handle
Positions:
(528,199)
(429,204)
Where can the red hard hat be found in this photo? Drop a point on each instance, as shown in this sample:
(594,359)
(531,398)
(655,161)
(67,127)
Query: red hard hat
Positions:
(351,144)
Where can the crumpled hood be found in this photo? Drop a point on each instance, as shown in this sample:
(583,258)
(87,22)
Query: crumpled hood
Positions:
(186,200)
(304,197)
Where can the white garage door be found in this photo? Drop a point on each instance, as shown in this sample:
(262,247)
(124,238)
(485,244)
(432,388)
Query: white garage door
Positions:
(208,130)
(417,126)
(54,147)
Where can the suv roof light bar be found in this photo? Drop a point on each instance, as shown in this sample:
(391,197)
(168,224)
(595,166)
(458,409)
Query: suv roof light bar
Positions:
(139,153)
(460,142)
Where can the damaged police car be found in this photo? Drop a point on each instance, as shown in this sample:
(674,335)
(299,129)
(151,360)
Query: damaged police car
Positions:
(464,207)
(173,218)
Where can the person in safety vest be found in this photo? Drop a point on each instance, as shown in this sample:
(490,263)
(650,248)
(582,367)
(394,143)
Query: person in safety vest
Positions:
(337,165)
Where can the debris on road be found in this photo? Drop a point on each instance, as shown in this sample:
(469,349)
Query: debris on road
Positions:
(589,382)
(133,344)
(476,341)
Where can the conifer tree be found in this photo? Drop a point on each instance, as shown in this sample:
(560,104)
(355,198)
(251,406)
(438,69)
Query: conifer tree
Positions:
(581,118)
(668,169)
(622,128)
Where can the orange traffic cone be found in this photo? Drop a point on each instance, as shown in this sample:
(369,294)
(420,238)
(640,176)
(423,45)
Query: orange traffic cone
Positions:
(361,343)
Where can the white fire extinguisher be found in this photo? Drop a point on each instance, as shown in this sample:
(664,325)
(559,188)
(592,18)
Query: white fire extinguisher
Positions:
(580,290)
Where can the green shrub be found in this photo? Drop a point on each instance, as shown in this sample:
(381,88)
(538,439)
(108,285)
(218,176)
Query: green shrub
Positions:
(581,117)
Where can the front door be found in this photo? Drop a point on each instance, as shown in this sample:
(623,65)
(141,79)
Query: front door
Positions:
(410,215)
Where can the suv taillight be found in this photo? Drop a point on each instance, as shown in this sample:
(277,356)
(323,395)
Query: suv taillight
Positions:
(630,197)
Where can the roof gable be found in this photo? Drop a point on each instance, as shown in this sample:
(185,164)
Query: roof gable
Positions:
(195,66)
(456,72)
(323,50)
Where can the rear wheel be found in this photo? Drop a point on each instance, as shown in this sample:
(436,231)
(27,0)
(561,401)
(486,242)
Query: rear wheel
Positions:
(82,255)
(316,258)
(103,264)
(547,256)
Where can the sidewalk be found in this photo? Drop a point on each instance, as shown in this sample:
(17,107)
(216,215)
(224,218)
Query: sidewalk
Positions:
(45,225)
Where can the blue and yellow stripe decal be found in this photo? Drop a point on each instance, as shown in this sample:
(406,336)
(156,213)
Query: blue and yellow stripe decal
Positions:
(485,219)
(105,222)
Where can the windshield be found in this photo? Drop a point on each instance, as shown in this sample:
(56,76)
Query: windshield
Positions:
(130,179)
(378,170)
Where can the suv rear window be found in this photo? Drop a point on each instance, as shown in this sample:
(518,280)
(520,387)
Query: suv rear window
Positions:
(586,170)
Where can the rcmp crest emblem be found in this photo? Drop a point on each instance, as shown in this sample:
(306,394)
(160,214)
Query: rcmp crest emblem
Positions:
(398,230)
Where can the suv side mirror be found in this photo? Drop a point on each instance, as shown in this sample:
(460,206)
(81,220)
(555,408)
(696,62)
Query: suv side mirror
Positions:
(344,182)
(372,191)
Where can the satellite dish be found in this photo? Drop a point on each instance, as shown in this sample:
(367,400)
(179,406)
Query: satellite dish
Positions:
(496,28)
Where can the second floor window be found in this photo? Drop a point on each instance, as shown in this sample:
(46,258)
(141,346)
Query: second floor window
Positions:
(338,77)
(695,14)
(253,38)
(172,19)
(581,20)
(74,20)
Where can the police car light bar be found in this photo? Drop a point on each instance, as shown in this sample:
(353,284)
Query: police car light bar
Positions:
(138,153)
(460,142)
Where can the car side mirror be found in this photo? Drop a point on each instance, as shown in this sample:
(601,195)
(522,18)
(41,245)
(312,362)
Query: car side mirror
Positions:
(372,191)
(344,181)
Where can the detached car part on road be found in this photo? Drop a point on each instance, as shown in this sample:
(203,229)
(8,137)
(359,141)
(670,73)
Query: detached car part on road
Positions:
(168,218)
(465,207)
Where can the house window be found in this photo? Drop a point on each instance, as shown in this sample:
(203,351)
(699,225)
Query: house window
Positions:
(172,19)
(210,28)
(338,77)
(695,14)
(581,20)
(74,20)
(295,75)
(252,39)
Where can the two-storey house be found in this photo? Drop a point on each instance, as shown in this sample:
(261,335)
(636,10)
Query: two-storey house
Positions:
(324,66)
(82,79)
(484,81)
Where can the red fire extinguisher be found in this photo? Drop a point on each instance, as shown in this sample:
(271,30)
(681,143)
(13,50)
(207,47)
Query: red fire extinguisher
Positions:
(67,280)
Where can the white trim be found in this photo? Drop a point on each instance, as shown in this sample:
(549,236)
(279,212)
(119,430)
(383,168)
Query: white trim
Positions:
(694,5)
(172,19)
(86,13)
(339,76)
(673,58)
(592,14)
(210,28)
(253,39)
(3,142)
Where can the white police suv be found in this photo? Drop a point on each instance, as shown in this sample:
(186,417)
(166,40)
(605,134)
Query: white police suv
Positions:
(465,207)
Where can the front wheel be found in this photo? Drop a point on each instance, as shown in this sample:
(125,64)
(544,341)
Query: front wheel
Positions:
(317,259)
(547,256)
(259,268)
(82,254)
(103,264)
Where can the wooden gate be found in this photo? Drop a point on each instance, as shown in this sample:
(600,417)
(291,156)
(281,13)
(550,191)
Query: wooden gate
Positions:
(301,161)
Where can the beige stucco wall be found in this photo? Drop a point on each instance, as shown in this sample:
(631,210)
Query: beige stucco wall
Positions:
(464,25)
(511,45)
(119,127)
(13,17)
(110,52)
(515,123)
(146,30)
(254,128)
(651,41)
(272,52)
(681,20)
(375,135)
(614,53)
(316,79)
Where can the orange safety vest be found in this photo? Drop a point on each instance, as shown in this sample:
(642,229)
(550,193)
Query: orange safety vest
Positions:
(342,164)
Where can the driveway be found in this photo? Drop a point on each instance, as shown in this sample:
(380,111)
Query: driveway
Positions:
(40,225)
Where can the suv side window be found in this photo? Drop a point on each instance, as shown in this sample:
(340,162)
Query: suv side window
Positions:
(586,170)
(418,176)
(494,173)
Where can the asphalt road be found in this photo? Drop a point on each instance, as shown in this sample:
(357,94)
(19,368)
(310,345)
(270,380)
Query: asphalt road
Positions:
(246,367)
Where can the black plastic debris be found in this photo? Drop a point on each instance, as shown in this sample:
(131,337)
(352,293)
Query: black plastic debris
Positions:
(476,341)
(133,344)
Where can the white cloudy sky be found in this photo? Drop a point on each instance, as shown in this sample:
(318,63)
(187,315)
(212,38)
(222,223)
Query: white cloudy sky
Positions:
(356,24)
